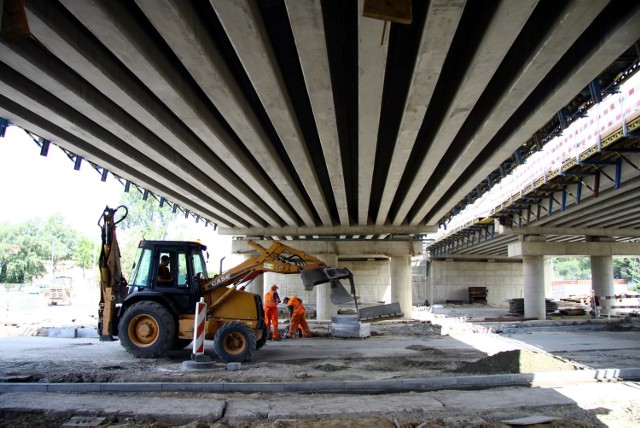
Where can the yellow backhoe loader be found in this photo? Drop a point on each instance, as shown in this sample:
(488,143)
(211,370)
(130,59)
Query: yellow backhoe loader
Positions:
(154,312)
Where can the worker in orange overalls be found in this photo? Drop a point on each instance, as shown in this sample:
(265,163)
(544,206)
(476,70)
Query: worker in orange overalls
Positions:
(298,318)
(271,300)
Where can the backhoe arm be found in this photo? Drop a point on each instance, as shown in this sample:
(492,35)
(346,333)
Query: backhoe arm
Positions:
(278,258)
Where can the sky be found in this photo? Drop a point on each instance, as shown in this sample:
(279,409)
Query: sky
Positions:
(36,187)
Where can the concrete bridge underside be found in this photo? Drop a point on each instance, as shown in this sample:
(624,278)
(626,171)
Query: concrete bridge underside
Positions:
(296,119)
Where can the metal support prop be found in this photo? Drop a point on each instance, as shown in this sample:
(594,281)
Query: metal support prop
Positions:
(616,183)
(550,210)
(579,191)
(563,203)
(4,124)
(77,163)
(44,149)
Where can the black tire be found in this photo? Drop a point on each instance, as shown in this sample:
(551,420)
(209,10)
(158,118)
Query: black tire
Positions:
(181,343)
(234,342)
(265,336)
(147,330)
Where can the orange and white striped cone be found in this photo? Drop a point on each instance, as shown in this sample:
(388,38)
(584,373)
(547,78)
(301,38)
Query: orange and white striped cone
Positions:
(198,332)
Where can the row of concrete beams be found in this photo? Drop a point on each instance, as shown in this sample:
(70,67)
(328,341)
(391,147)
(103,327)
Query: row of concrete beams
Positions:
(443,18)
(211,142)
(97,70)
(562,35)
(507,21)
(615,41)
(75,131)
(245,29)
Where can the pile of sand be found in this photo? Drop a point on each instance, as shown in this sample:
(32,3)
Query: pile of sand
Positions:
(518,361)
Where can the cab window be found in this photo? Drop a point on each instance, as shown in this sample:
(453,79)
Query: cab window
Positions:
(140,275)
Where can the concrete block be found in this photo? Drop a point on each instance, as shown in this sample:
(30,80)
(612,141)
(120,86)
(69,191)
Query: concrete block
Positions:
(192,387)
(232,367)
(253,387)
(23,387)
(68,333)
(131,387)
(328,386)
(374,386)
(428,383)
(87,332)
(359,330)
(73,387)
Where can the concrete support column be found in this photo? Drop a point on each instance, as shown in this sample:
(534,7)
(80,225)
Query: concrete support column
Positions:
(533,278)
(324,308)
(602,278)
(257,285)
(401,283)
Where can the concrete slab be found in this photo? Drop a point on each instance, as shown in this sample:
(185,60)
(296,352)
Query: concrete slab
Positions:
(171,410)
(498,398)
(367,406)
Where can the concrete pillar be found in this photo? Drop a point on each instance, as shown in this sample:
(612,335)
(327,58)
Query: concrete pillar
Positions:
(602,278)
(324,308)
(401,283)
(257,285)
(533,278)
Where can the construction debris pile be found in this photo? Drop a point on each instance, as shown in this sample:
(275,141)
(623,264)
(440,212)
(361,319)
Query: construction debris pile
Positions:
(516,306)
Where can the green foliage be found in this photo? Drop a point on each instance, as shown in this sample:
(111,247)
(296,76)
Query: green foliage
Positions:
(627,268)
(25,248)
(580,268)
(145,217)
(572,268)
(86,253)
(145,220)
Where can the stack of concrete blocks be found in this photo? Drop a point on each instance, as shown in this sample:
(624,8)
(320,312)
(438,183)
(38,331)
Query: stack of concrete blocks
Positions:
(349,326)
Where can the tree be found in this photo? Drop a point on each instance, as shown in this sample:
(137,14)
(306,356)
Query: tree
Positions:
(63,240)
(23,249)
(145,220)
(627,268)
(86,253)
(572,268)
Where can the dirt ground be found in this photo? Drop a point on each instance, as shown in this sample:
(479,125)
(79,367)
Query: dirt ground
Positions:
(425,359)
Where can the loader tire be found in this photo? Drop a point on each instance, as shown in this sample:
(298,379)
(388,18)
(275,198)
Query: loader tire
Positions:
(265,336)
(234,342)
(147,330)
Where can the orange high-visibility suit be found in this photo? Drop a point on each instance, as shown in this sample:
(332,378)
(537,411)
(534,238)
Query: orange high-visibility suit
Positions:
(298,318)
(271,300)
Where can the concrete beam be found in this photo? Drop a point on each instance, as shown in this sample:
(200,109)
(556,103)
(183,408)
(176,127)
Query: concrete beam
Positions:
(372,60)
(523,249)
(358,249)
(328,230)
(308,30)
(576,231)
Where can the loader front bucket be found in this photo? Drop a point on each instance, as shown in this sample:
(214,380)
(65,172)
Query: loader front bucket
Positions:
(339,294)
